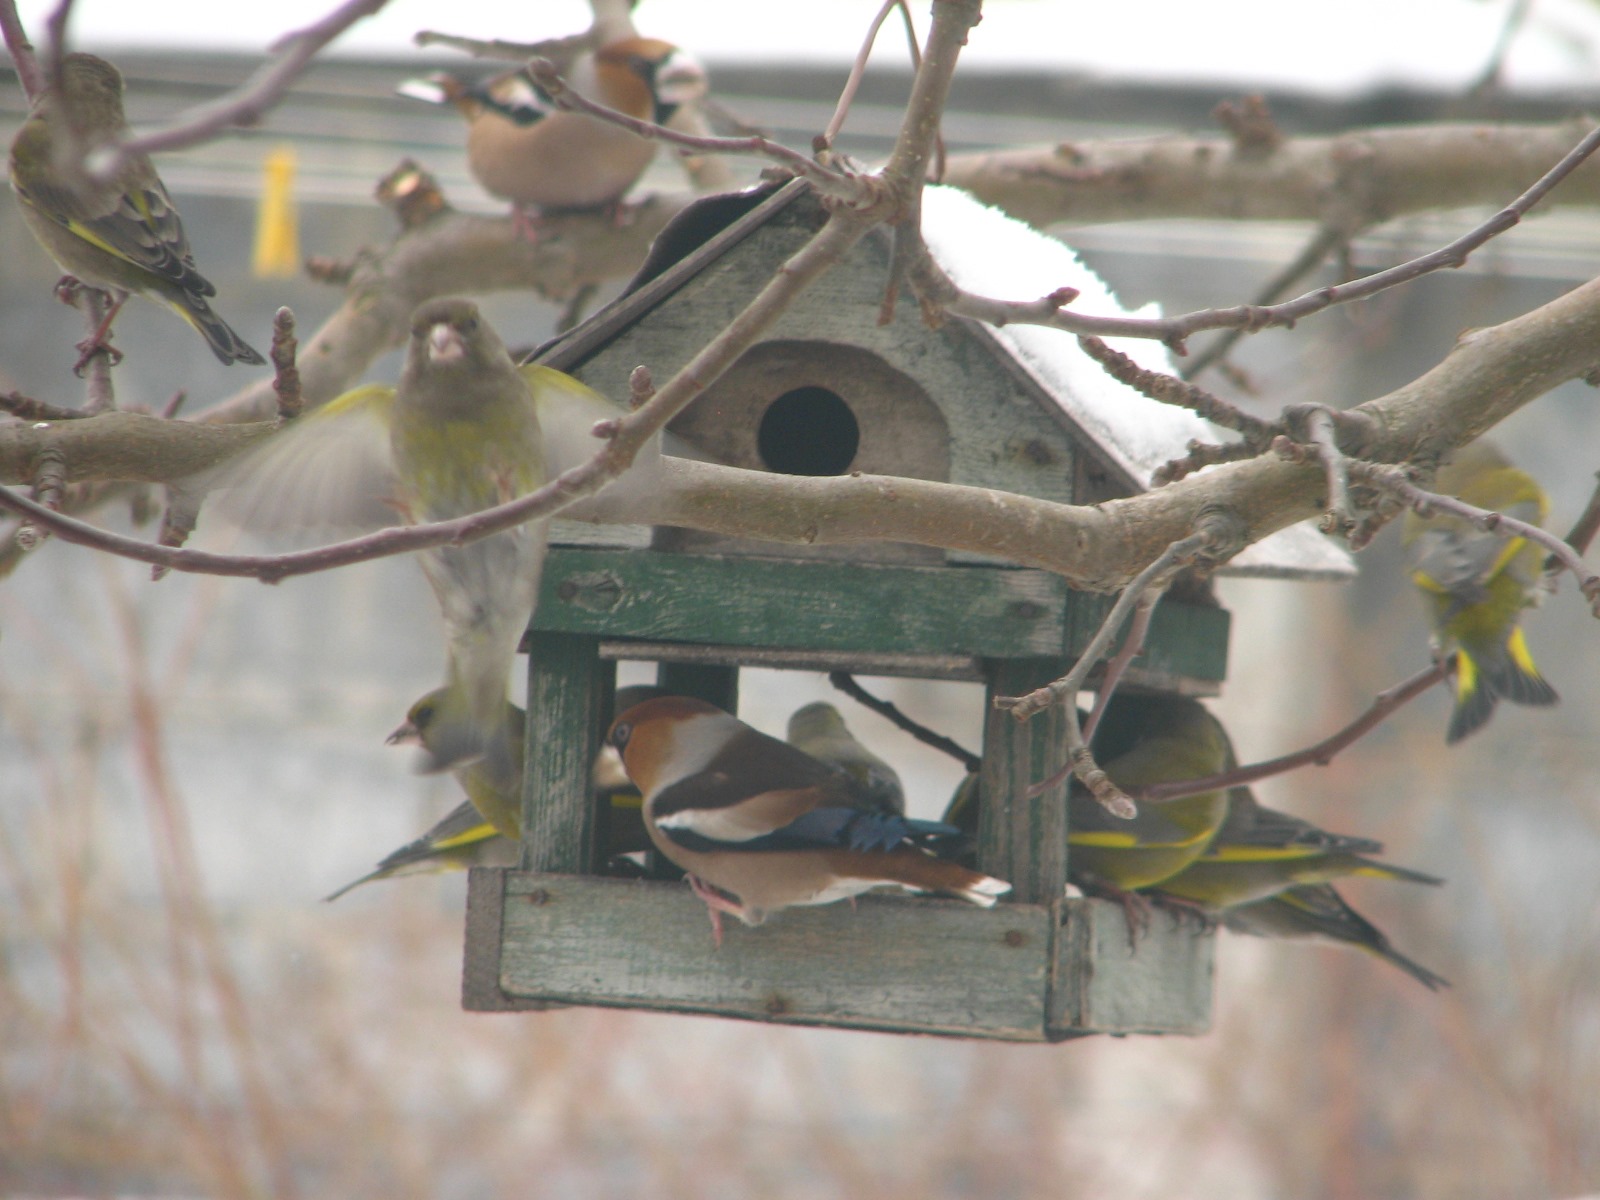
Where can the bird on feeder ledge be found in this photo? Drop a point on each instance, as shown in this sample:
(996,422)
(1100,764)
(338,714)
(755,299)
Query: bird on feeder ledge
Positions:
(759,825)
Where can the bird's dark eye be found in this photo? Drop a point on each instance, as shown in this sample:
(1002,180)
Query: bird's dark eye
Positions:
(467,325)
(423,716)
(619,735)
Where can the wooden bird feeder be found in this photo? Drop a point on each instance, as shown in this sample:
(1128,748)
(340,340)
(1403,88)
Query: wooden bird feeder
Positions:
(829,391)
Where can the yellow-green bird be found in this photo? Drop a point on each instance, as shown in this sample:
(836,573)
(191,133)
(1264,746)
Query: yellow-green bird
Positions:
(124,234)
(1258,852)
(1477,582)
(459,433)
(1146,739)
(820,731)
(1142,739)
(464,429)
(485,830)
(496,797)
(461,841)
(1318,911)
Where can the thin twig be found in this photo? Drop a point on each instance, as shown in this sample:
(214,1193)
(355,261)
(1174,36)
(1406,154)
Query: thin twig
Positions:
(1392,479)
(1337,519)
(1583,530)
(1251,318)
(847,684)
(1323,242)
(244,106)
(1321,754)
(843,185)
(1166,389)
(23,56)
(1219,534)
(26,408)
(1132,647)
(1489,77)
(49,481)
(177,523)
(1201,454)
(847,94)
(286,374)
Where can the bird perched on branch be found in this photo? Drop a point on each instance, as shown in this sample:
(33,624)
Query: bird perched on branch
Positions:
(1476,582)
(820,731)
(122,234)
(522,148)
(1318,911)
(759,825)
(1258,852)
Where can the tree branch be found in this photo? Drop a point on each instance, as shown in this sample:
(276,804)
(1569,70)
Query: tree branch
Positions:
(1395,171)
(245,106)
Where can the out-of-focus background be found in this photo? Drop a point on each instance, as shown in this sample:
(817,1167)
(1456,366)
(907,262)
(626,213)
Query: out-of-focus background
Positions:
(186,768)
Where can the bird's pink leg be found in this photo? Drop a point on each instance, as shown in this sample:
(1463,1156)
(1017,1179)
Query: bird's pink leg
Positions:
(525,224)
(716,904)
(69,290)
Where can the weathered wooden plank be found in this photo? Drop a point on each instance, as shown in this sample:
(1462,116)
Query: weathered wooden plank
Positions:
(1020,839)
(1106,984)
(568,690)
(480,962)
(819,605)
(898,964)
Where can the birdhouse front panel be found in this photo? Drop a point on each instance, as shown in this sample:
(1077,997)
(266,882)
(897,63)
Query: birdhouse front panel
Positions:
(830,390)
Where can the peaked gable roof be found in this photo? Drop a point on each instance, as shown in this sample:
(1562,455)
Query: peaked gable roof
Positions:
(986,251)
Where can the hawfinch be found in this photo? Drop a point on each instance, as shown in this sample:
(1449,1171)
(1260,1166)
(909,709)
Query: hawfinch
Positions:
(522,149)
(759,825)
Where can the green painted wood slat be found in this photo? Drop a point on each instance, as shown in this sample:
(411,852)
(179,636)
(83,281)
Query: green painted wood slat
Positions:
(986,612)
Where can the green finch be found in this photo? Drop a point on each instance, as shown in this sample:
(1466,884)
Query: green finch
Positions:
(122,235)
(1142,739)
(501,805)
(1477,582)
(1259,852)
(1318,911)
(496,795)
(460,841)
(463,430)
(1145,739)
(820,731)
(459,433)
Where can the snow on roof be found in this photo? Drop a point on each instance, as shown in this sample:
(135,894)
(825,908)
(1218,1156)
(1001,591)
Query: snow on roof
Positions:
(986,251)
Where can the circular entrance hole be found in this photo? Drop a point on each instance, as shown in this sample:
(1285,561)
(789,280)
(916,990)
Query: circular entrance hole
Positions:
(808,431)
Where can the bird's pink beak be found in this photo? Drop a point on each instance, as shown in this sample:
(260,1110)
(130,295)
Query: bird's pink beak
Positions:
(445,344)
(406,735)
